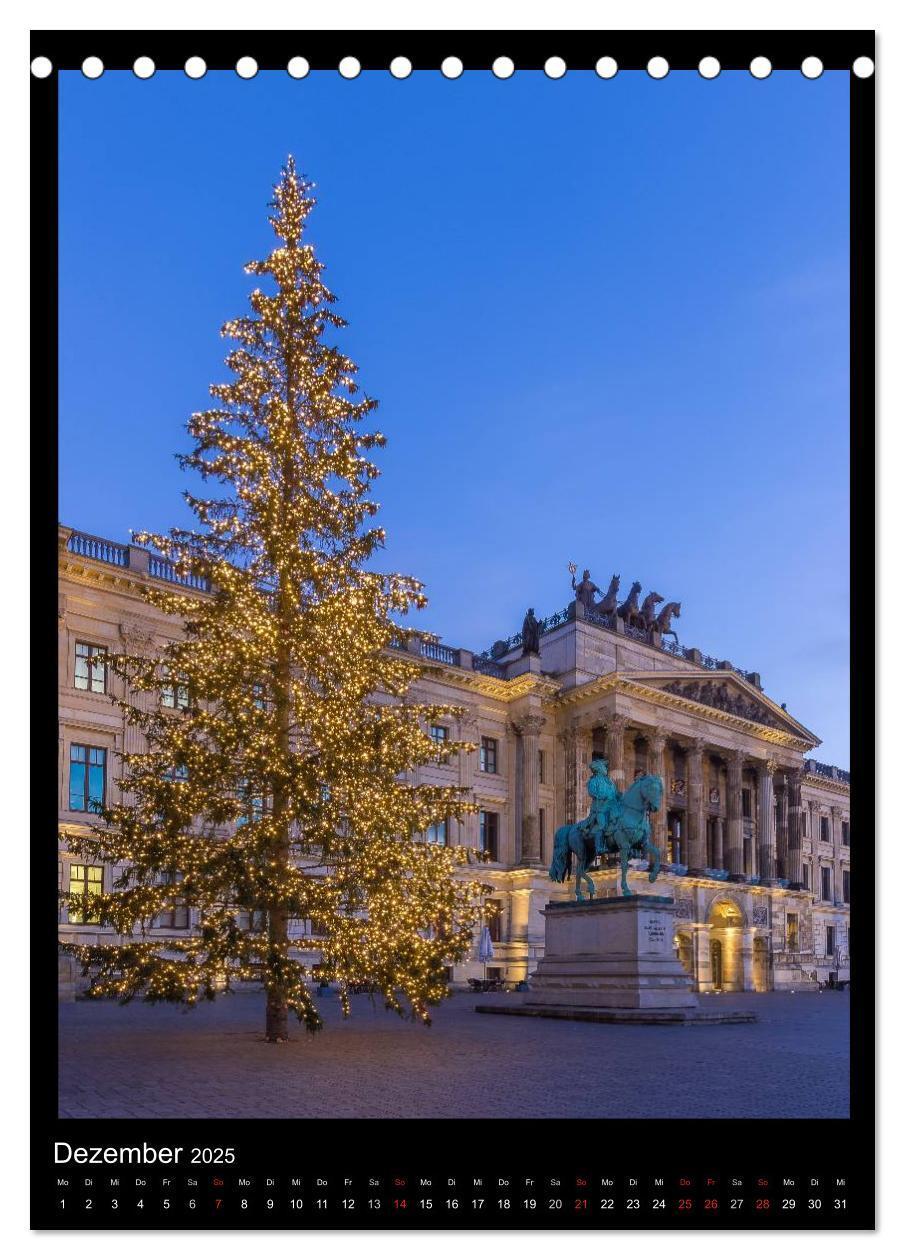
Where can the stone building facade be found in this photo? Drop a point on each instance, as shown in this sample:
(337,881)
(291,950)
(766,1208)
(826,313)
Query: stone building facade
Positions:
(755,836)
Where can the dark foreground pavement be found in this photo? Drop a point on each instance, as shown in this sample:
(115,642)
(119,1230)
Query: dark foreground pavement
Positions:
(144,1061)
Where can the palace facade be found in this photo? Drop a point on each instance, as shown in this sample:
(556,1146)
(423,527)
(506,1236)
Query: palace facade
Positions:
(755,835)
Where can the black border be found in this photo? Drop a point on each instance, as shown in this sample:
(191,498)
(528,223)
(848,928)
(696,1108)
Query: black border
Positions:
(360,1148)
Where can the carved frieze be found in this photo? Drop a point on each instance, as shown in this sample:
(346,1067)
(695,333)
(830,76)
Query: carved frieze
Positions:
(720,696)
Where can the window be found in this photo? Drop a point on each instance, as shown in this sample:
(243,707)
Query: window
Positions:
(830,941)
(490,833)
(746,803)
(826,890)
(90,669)
(488,762)
(85,881)
(252,920)
(495,924)
(87,778)
(846,886)
(542,830)
(177,915)
(541,766)
(806,875)
(824,829)
(792,933)
(178,774)
(805,823)
(440,734)
(845,836)
(174,694)
(436,833)
(254,806)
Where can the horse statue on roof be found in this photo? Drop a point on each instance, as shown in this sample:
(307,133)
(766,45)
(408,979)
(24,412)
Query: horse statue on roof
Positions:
(616,823)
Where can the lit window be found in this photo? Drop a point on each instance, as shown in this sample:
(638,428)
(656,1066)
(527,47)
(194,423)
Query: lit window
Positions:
(90,669)
(87,778)
(488,762)
(792,933)
(84,881)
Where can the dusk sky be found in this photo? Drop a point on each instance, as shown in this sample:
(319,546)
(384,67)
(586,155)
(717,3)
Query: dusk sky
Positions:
(607,322)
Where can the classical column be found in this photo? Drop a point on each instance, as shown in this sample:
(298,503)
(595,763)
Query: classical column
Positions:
(656,742)
(528,729)
(718,843)
(615,749)
(469,733)
(735,856)
(766,839)
(697,834)
(793,791)
(782,827)
(577,748)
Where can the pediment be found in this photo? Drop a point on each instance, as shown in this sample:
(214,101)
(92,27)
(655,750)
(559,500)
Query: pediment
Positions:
(727,693)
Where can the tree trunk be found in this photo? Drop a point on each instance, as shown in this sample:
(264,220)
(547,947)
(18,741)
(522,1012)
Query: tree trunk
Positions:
(277,1028)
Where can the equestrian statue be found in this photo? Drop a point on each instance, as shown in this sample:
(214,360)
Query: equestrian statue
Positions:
(618,822)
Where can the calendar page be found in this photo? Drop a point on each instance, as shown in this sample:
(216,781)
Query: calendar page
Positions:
(450,448)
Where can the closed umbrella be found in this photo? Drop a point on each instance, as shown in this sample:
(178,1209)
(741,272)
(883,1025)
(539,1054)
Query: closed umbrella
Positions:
(485,949)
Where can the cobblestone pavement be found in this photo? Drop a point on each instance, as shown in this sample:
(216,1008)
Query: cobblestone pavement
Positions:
(144,1061)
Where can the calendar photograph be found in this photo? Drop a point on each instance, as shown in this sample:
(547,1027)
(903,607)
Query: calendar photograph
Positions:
(454,572)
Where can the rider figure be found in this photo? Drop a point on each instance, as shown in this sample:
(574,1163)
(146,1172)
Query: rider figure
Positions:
(604,797)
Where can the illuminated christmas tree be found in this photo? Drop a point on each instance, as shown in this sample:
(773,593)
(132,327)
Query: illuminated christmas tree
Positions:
(273,801)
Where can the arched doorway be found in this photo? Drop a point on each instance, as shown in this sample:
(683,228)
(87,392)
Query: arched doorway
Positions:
(716,964)
(761,965)
(727,923)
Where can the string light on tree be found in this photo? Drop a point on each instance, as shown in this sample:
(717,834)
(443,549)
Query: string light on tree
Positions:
(270,797)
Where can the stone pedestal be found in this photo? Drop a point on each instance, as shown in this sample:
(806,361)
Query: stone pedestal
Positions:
(612,961)
(615,952)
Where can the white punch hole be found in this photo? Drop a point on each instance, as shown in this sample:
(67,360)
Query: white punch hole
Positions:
(298,67)
(246,67)
(143,67)
(350,67)
(92,67)
(812,67)
(42,67)
(503,67)
(451,67)
(658,67)
(606,67)
(863,68)
(554,67)
(196,67)
(400,67)
(708,67)
(761,67)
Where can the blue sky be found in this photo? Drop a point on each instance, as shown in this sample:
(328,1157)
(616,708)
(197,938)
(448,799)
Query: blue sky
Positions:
(606,322)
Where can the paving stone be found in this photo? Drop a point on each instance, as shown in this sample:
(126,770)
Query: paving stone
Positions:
(148,1061)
